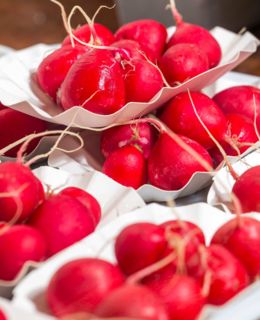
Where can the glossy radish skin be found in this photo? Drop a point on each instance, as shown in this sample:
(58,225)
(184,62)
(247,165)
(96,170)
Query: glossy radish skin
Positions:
(247,189)
(2,315)
(19,244)
(142,134)
(240,129)
(139,245)
(104,35)
(24,125)
(132,301)
(62,220)
(228,275)
(26,191)
(53,69)
(170,167)
(182,62)
(150,34)
(181,296)
(88,201)
(95,82)
(191,33)
(131,49)
(127,166)
(239,99)
(142,81)
(80,285)
(179,116)
(243,241)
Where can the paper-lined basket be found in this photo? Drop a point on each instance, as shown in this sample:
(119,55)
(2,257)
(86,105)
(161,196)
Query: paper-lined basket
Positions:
(18,89)
(29,294)
(113,198)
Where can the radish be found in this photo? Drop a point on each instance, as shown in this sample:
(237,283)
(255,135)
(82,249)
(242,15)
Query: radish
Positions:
(53,69)
(240,99)
(142,81)
(247,189)
(62,220)
(150,34)
(80,285)
(242,238)
(181,295)
(131,47)
(143,135)
(194,34)
(132,301)
(127,166)
(182,62)
(227,276)
(21,192)
(170,167)
(240,134)
(19,244)
(95,82)
(88,201)
(2,315)
(24,125)
(103,36)
(179,116)
(139,245)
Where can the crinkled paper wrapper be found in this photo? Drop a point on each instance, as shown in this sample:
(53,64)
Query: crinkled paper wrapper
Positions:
(113,198)
(29,294)
(19,90)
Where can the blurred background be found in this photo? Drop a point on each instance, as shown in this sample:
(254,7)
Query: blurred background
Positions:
(27,22)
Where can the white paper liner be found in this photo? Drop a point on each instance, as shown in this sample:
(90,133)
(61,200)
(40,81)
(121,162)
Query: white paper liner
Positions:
(16,91)
(113,198)
(4,50)
(13,313)
(223,181)
(29,294)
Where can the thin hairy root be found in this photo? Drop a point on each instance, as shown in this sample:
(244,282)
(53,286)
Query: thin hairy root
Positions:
(63,14)
(99,9)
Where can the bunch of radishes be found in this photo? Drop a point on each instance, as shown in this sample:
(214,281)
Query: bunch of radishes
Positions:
(37,224)
(162,272)
(101,72)
(137,153)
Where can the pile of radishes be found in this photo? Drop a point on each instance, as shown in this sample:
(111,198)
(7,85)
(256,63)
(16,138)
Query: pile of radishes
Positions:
(161,272)
(36,224)
(101,71)
(137,153)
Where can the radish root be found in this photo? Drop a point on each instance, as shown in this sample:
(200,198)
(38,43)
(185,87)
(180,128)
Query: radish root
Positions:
(176,15)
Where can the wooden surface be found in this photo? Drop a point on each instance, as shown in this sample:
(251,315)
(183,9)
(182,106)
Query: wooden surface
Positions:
(27,22)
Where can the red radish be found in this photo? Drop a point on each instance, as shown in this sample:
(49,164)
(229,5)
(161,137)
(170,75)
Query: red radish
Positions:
(181,296)
(182,62)
(170,167)
(2,315)
(142,81)
(127,166)
(103,36)
(53,69)
(24,192)
(19,244)
(95,82)
(142,134)
(132,301)
(227,275)
(139,245)
(88,201)
(240,99)
(62,220)
(80,285)
(150,34)
(194,34)
(22,125)
(131,47)
(247,189)
(240,131)
(242,238)
(2,107)
(180,117)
